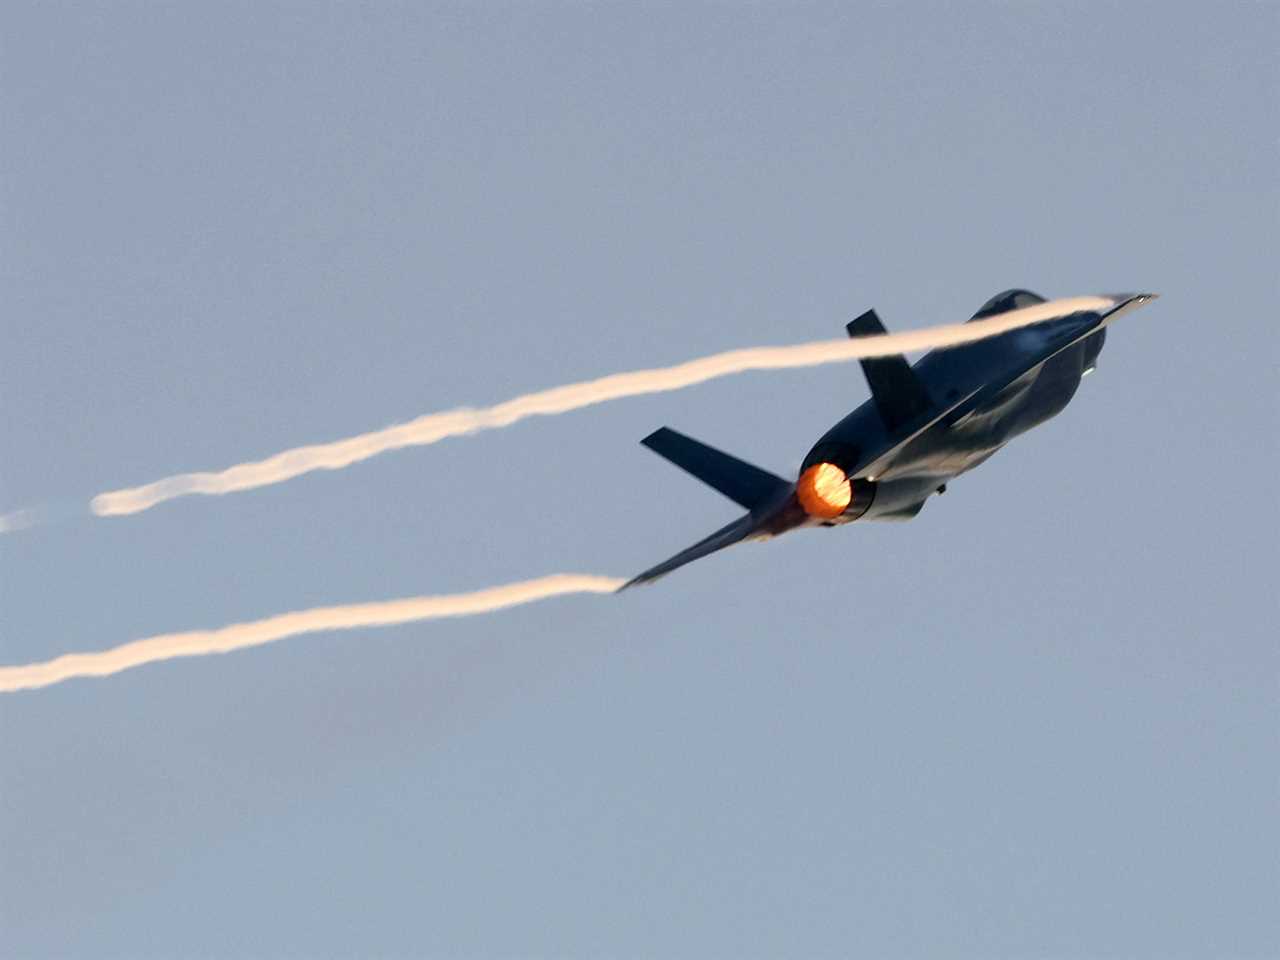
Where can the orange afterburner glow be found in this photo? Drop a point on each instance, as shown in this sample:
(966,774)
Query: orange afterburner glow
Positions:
(823,491)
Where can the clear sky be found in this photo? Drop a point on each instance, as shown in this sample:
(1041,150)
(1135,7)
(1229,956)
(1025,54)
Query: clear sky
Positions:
(1038,721)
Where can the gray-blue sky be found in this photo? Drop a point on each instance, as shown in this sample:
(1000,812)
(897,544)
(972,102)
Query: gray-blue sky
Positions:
(1038,720)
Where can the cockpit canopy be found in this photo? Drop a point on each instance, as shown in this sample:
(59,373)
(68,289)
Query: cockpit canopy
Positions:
(1006,301)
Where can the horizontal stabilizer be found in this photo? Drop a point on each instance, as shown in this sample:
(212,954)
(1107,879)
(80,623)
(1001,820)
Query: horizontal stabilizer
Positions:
(742,483)
(899,395)
(726,536)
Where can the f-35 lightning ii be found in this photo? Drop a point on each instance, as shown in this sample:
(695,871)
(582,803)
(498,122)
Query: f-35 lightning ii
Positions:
(924,425)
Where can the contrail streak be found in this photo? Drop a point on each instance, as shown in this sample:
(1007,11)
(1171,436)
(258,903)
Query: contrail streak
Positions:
(239,636)
(434,427)
(18,520)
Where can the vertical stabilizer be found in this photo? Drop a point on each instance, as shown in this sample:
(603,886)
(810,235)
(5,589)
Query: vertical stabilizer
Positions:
(899,395)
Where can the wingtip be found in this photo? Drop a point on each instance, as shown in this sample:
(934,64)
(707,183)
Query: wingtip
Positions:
(866,324)
(654,437)
(637,581)
(1127,299)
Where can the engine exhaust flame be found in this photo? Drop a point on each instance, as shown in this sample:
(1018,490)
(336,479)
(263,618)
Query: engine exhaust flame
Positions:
(824,492)
(434,427)
(239,636)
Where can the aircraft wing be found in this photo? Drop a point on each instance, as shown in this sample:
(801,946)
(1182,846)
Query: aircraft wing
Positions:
(874,461)
(726,536)
(1060,333)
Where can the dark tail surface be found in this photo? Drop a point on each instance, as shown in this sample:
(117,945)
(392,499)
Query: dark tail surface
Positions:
(758,490)
(726,536)
(899,395)
(742,483)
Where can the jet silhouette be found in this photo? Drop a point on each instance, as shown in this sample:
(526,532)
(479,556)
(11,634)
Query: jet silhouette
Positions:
(924,424)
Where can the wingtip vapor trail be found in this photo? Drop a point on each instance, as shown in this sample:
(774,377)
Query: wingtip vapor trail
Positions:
(434,427)
(41,516)
(18,520)
(240,636)
(429,429)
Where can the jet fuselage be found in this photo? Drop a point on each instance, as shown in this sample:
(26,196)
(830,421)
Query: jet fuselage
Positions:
(1007,384)
(924,425)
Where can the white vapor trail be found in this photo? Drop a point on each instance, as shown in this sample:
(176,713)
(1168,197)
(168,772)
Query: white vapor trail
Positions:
(434,427)
(18,520)
(239,636)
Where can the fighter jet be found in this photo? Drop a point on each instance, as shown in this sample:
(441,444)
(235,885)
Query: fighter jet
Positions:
(924,425)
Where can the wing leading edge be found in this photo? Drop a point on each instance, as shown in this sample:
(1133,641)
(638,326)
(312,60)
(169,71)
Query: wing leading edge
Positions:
(760,491)
(726,536)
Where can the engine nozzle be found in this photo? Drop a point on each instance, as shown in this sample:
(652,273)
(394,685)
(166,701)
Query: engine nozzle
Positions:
(824,491)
